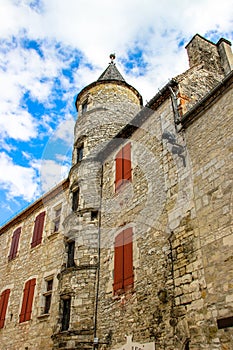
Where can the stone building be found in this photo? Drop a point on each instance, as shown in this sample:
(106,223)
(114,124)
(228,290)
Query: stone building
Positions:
(134,250)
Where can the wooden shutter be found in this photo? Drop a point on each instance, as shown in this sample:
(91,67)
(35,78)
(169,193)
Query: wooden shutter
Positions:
(26,309)
(127,162)
(128,257)
(119,169)
(38,229)
(14,243)
(118,262)
(3,306)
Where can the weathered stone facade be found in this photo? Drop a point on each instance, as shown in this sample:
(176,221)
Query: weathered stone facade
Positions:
(177,202)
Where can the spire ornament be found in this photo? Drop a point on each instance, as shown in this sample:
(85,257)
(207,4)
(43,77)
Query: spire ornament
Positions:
(112,57)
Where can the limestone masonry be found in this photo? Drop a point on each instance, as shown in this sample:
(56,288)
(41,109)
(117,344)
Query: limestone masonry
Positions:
(134,251)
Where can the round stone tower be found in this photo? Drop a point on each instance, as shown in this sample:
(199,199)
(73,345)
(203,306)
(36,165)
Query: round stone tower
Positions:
(103,107)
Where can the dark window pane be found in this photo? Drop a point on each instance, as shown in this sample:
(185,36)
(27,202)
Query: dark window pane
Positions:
(70,260)
(47,303)
(94,214)
(84,107)
(49,285)
(75,200)
(79,153)
(66,314)
(56,224)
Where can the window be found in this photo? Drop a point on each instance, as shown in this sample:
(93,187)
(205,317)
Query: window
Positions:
(48,295)
(123,166)
(80,153)
(123,261)
(14,243)
(38,229)
(66,314)
(57,220)
(225,322)
(75,200)
(84,107)
(28,295)
(4,297)
(70,257)
(94,215)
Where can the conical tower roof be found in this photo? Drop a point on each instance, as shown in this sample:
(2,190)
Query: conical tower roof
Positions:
(111,72)
(111,75)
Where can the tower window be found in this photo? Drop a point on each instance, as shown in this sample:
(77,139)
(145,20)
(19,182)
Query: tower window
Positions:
(75,199)
(66,314)
(79,153)
(48,296)
(70,254)
(94,215)
(84,107)
(123,166)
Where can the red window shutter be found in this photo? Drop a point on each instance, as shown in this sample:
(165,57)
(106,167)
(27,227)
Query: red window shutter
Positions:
(14,243)
(118,262)
(30,299)
(128,257)
(24,303)
(28,294)
(38,229)
(3,306)
(127,162)
(119,169)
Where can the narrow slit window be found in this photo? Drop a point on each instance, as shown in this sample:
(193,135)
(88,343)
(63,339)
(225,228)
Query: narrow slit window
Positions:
(84,107)
(80,153)
(70,254)
(66,314)
(75,200)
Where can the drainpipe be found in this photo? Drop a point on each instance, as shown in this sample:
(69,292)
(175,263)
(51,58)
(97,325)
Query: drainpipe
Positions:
(177,117)
(96,340)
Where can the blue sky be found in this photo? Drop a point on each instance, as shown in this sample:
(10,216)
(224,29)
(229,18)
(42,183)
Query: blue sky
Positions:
(51,49)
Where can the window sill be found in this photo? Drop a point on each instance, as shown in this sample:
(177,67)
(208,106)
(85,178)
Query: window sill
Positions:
(43,316)
(53,234)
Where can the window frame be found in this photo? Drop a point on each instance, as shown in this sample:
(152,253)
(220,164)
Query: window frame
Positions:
(38,229)
(27,301)
(79,153)
(48,296)
(57,219)
(70,254)
(84,106)
(14,244)
(75,199)
(123,261)
(4,302)
(123,166)
(66,311)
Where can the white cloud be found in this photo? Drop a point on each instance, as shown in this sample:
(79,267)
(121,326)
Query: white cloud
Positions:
(51,173)
(18,181)
(92,29)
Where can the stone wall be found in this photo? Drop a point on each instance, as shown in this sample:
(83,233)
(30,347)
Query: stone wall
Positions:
(41,262)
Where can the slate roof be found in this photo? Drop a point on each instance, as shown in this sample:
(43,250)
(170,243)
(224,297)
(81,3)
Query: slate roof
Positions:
(111,73)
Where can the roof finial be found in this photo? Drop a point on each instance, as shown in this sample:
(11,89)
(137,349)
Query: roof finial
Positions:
(112,57)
